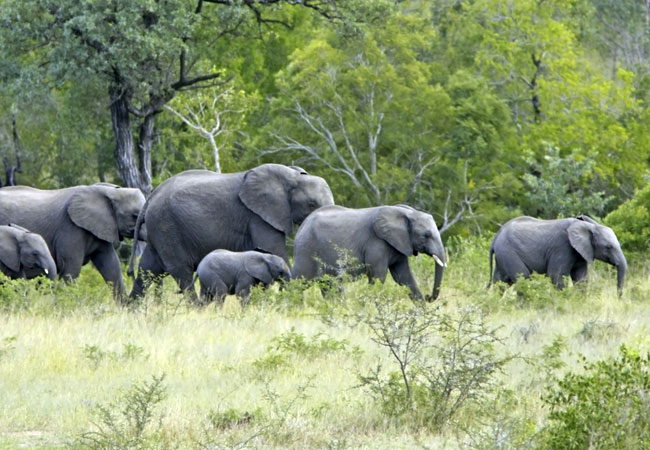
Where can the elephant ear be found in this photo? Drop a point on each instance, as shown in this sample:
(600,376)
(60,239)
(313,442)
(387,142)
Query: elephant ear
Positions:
(265,192)
(91,210)
(392,225)
(9,252)
(580,238)
(258,269)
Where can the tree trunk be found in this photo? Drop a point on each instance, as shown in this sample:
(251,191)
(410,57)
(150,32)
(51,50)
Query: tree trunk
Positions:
(144,152)
(127,165)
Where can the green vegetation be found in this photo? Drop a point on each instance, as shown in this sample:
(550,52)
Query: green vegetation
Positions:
(475,110)
(510,367)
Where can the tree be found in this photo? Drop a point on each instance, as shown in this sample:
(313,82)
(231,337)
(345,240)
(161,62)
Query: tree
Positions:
(210,115)
(142,53)
(369,113)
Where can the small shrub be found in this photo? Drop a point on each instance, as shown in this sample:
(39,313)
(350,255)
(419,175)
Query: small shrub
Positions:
(313,347)
(231,429)
(606,407)
(96,355)
(128,423)
(228,419)
(598,329)
(271,362)
(7,346)
(287,345)
(444,363)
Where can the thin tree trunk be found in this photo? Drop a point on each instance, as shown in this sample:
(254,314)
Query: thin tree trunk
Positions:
(144,152)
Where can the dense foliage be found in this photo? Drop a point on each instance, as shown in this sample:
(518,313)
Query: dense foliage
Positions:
(475,110)
(606,407)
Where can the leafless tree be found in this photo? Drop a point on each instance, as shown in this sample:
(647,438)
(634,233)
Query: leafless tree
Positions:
(197,119)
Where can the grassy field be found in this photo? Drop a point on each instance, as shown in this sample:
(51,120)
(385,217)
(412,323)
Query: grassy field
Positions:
(296,369)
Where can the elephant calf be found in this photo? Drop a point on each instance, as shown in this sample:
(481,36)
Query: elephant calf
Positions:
(377,239)
(223,272)
(556,248)
(24,254)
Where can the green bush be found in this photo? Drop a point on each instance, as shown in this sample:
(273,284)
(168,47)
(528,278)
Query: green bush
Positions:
(443,364)
(606,407)
(631,221)
(130,422)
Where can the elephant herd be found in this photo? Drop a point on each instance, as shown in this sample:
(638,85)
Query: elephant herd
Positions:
(230,232)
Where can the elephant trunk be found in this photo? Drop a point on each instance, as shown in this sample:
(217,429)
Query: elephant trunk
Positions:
(621,268)
(440,269)
(49,267)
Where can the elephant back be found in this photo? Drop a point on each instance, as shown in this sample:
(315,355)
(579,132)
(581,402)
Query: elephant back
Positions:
(34,209)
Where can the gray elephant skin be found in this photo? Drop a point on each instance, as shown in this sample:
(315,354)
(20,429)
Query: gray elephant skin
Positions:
(375,239)
(223,272)
(197,211)
(556,248)
(79,224)
(24,254)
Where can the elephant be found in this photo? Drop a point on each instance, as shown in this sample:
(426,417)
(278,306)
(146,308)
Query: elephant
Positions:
(24,254)
(224,272)
(556,248)
(197,211)
(79,224)
(377,239)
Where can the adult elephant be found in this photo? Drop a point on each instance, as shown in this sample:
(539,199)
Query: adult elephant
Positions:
(79,224)
(24,254)
(197,211)
(375,239)
(556,248)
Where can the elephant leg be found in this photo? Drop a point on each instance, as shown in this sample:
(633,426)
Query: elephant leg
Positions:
(510,267)
(151,269)
(579,272)
(69,265)
(498,275)
(376,262)
(215,290)
(108,264)
(184,278)
(401,272)
(243,291)
(558,267)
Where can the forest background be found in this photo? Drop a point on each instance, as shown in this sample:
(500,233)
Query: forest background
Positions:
(476,111)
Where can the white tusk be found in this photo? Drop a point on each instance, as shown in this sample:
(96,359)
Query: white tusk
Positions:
(47,272)
(439,261)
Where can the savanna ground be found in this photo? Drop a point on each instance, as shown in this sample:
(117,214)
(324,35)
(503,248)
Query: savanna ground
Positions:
(361,368)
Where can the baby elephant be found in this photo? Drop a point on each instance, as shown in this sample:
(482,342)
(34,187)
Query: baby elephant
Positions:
(24,254)
(223,272)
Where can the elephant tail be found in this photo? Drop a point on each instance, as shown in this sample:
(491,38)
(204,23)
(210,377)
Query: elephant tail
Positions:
(130,271)
(491,258)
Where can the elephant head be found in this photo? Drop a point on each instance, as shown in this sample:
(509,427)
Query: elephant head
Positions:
(107,211)
(26,252)
(594,241)
(283,195)
(267,268)
(411,232)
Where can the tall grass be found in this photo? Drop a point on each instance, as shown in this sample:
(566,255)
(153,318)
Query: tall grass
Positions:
(286,371)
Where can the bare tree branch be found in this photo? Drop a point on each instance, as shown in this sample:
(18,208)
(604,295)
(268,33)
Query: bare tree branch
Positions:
(194,119)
